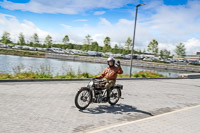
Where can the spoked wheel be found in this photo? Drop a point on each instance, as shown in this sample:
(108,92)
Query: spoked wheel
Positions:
(83,99)
(114,96)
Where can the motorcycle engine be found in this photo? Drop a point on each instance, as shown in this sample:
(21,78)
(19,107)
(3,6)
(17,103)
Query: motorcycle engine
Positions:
(99,95)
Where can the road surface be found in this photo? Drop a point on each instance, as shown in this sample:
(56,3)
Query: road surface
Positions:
(48,107)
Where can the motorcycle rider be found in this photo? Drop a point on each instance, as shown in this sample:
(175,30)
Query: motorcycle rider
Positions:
(110,73)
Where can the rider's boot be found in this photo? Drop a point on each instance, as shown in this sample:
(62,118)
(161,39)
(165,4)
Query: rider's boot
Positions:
(108,95)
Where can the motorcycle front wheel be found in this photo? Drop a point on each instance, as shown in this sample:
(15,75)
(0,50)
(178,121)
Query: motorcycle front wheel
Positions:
(83,99)
(114,96)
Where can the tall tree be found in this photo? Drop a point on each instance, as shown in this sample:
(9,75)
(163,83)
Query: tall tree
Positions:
(107,47)
(128,43)
(21,39)
(164,53)
(153,47)
(5,38)
(88,39)
(48,41)
(35,39)
(180,50)
(65,40)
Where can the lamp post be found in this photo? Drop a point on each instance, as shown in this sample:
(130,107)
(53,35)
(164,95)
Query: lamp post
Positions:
(134,36)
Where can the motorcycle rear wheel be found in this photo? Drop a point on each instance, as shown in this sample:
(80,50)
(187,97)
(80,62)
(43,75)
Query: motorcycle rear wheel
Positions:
(83,99)
(114,96)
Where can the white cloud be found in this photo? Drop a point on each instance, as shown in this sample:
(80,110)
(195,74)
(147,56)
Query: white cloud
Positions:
(99,12)
(192,45)
(10,24)
(104,21)
(66,26)
(63,6)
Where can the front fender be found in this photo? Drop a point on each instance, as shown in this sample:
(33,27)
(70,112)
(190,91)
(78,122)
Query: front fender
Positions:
(84,88)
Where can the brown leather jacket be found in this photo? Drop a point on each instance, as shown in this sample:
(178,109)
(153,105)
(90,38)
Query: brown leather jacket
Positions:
(110,73)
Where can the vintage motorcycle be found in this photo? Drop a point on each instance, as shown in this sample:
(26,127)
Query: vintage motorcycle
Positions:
(95,92)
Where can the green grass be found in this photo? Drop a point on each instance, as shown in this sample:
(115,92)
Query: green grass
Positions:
(32,75)
(22,52)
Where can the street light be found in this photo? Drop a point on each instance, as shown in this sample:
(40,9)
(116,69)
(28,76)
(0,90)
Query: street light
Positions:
(134,36)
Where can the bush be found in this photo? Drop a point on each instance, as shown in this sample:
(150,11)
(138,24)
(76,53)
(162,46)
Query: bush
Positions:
(147,74)
(85,75)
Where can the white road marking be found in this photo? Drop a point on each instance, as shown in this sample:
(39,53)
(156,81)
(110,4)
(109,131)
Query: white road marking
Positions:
(136,121)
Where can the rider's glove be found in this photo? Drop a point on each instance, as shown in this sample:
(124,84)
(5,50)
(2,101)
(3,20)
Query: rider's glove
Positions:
(118,63)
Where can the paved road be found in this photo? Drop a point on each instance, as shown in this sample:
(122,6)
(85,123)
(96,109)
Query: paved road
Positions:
(181,121)
(41,107)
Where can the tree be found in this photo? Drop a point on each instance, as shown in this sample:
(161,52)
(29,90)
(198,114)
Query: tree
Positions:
(35,39)
(180,50)
(164,54)
(88,39)
(48,41)
(21,39)
(128,43)
(65,40)
(5,38)
(153,47)
(115,50)
(107,46)
(85,47)
(94,46)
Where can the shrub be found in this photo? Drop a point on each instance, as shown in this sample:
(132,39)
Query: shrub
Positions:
(147,74)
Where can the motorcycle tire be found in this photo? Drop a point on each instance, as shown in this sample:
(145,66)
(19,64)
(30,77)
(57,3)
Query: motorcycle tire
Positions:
(112,94)
(83,98)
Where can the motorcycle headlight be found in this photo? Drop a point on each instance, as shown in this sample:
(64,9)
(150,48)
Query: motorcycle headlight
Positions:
(91,83)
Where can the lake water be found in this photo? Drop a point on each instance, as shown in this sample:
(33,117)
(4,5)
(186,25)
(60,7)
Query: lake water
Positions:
(8,64)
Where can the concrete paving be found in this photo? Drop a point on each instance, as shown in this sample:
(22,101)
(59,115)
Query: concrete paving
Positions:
(181,121)
(41,107)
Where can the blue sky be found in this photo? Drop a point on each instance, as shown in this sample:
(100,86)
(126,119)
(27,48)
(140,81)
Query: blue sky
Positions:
(168,21)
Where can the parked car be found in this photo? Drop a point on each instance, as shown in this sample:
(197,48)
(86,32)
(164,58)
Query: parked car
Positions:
(127,57)
(25,47)
(172,60)
(32,48)
(67,51)
(44,49)
(59,51)
(193,61)
(118,55)
(92,53)
(147,59)
(74,51)
(140,57)
(17,47)
(108,54)
(3,46)
(182,60)
(10,46)
(39,49)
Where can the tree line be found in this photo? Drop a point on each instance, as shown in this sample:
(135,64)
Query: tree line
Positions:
(90,45)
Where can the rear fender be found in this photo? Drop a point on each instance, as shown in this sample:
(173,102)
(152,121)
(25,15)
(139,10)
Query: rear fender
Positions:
(120,87)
